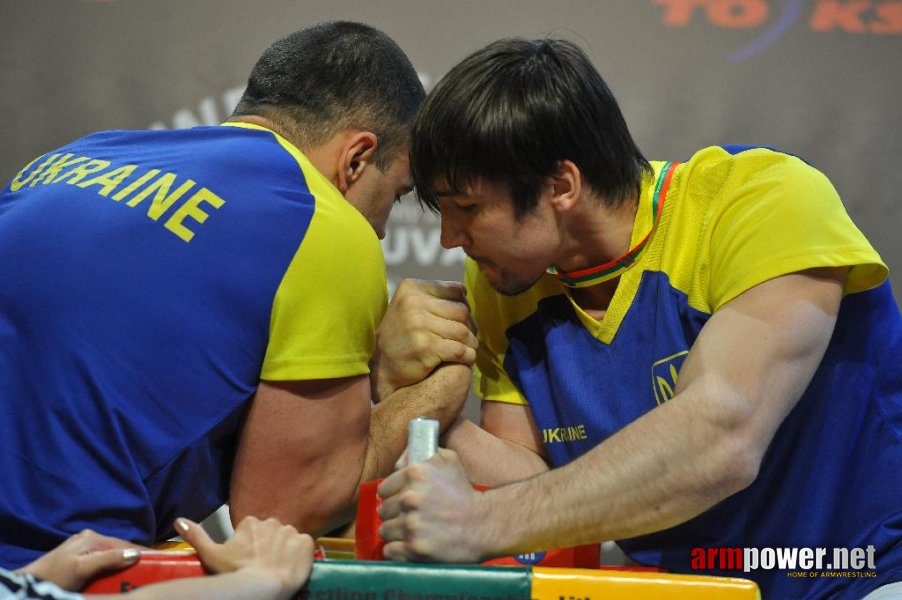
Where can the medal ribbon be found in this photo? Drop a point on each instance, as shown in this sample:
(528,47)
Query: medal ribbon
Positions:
(616,267)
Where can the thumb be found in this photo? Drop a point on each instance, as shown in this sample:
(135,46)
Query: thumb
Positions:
(195,535)
(401,462)
(98,562)
(110,560)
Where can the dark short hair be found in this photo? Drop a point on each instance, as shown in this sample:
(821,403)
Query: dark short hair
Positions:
(333,76)
(510,112)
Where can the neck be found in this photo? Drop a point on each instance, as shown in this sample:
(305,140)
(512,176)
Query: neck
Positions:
(600,233)
(595,299)
(596,233)
(323,157)
(265,122)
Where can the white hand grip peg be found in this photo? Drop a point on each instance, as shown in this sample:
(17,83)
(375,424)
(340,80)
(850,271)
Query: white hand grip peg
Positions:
(422,440)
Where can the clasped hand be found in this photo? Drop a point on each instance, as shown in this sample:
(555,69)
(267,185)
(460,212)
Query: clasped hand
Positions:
(427,323)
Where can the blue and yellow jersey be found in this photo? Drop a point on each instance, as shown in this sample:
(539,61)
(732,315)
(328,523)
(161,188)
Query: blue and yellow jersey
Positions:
(731,218)
(150,280)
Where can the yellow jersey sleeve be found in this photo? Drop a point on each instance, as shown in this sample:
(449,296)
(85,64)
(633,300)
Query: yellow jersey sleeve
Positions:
(333,294)
(776,215)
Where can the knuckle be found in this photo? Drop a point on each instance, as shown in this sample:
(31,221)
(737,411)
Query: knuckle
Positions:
(461,312)
(416,472)
(404,296)
(418,547)
(405,285)
(417,320)
(409,500)
(460,350)
(427,361)
(306,542)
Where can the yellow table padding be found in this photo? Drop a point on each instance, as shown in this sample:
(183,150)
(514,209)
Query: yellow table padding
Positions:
(554,584)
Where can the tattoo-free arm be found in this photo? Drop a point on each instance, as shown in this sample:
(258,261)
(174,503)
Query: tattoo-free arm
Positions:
(746,371)
(511,452)
(306,445)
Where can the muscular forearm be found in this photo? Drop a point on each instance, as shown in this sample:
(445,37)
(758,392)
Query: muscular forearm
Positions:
(489,460)
(286,468)
(440,396)
(663,469)
(700,447)
(746,371)
(301,450)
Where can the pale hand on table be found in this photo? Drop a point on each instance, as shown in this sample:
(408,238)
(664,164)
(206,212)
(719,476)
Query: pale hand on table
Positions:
(82,557)
(267,548)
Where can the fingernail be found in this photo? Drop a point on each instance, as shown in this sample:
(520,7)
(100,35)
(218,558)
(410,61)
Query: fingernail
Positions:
(182,525)
(130,554)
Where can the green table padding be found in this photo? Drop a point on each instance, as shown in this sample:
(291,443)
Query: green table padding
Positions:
(375,580)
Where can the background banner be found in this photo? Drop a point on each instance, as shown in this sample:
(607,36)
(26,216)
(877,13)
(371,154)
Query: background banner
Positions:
(817,78)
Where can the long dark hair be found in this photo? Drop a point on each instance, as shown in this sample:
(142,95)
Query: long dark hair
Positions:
(510,112)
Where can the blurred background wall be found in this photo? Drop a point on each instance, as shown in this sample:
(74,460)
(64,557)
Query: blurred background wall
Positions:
(818,78)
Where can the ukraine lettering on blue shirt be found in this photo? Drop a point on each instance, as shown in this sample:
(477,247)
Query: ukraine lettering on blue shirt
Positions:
(132,355)
(178,202)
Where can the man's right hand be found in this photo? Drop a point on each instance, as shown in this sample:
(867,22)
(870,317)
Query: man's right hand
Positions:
(427,323)
(430,512)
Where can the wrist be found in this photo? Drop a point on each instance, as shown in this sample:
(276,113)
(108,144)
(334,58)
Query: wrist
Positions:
(490,528)
(265,582)
(506,521)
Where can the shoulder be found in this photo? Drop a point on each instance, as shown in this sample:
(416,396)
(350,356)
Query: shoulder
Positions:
(728,171)
(761,213)
(722,187)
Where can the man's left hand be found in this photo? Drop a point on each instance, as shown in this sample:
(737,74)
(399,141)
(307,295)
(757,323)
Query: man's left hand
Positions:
(431,512)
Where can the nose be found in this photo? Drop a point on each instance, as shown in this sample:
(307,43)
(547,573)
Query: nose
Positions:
(452,234)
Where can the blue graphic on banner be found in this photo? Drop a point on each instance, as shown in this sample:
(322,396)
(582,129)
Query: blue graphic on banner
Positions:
(792,12)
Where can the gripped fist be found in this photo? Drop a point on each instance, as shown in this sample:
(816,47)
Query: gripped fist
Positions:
(427,323)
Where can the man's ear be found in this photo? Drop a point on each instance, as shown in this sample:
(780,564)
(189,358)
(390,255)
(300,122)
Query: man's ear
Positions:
(566,186)
(355,157)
